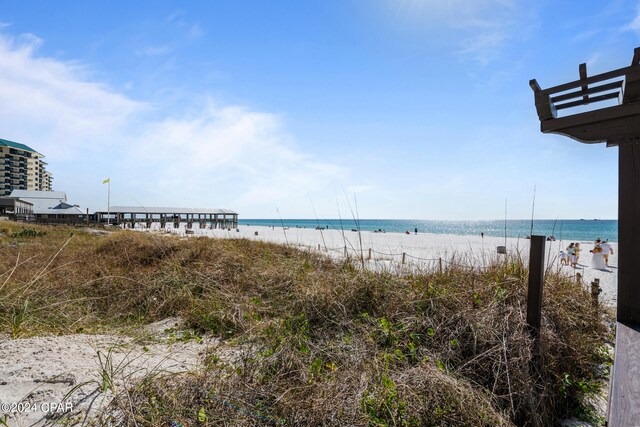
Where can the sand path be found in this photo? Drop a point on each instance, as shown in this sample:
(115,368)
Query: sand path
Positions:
(74,376)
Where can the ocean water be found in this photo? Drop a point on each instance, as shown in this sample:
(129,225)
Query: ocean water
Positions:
(567,229)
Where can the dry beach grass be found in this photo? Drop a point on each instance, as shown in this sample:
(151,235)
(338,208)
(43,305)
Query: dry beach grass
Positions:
(319,341)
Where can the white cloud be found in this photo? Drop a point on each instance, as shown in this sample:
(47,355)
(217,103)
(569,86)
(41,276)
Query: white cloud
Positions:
(231,150)
(586,36)
(51,104)
(223,156)
(593,60)
(479,29)
(482,47)
(481,14)
(177,18)
(634,25)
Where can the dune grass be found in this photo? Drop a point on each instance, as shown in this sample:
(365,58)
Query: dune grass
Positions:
(324,342)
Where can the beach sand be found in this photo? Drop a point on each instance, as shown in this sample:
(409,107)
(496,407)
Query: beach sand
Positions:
(45,377)
(423,250)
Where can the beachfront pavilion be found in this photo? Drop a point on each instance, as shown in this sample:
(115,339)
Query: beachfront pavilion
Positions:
(16,209)
(51,207)
(132,215)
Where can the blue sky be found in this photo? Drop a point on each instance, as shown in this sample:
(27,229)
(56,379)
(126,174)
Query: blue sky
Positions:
(406,108)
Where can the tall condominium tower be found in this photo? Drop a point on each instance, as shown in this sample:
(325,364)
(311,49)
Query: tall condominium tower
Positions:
(22,168)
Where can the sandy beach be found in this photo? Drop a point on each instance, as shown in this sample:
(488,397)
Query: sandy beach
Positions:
(421,250)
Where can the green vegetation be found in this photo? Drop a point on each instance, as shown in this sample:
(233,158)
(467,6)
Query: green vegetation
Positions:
(320,342)
(28,232)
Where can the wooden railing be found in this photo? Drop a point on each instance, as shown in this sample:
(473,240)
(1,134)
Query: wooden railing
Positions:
(548,105)
(614,124)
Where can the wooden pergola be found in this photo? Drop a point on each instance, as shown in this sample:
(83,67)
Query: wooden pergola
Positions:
(616,123)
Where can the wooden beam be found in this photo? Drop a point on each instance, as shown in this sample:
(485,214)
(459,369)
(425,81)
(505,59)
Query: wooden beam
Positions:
(533,83)
(588,119)
(582,70)
(589,80)
(631,89)
(586,100)
(635,62)
(629,233)
(591,90)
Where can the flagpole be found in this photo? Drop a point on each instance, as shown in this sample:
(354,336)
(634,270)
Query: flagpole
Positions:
(108,201)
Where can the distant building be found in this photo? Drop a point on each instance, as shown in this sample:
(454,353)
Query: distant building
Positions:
(50,206)
(131,215)
(22,168)
(16,209)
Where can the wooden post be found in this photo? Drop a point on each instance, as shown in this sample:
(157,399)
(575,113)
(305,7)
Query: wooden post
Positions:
(318,246)
(595,291)
(629,233)
(345,251)
(404,255)
(369,254)
(440,265)
(536,280)
(578,278)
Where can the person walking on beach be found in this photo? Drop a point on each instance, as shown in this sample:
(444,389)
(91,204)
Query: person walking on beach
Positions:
(576,251)
(597,259)
(563,258)
(416,230)
(571,253)
(606,251)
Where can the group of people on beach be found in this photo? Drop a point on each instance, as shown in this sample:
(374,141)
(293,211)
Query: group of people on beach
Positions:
(601,251)
(600,259)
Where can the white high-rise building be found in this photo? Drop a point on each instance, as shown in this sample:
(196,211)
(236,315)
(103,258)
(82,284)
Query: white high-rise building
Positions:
(22,168)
